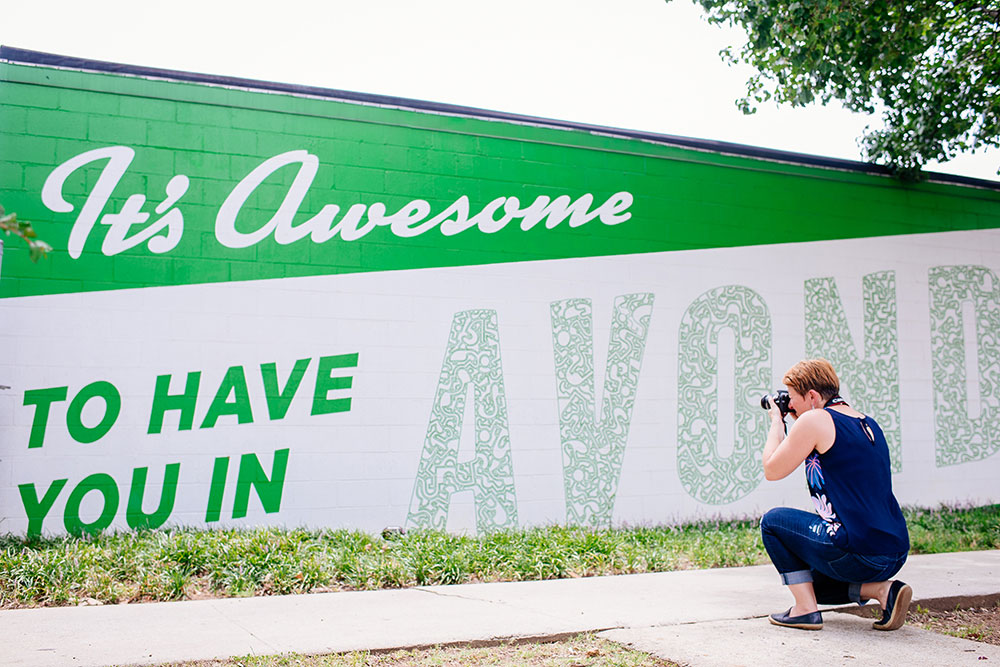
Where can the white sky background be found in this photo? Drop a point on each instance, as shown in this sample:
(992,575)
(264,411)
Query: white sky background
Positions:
(636,64)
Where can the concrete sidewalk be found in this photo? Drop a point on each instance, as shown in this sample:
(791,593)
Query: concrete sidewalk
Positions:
(696,617)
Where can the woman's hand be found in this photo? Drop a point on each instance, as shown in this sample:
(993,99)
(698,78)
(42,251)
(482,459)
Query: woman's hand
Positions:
(773,411)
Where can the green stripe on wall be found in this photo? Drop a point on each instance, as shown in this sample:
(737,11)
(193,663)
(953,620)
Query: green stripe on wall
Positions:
(683,198)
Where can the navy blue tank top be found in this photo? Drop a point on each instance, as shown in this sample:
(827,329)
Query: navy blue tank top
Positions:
(851,487)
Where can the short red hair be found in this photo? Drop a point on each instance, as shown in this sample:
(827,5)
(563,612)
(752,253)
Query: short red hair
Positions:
(815,374)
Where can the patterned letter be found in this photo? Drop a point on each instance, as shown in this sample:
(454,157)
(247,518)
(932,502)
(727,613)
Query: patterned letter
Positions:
(472,357)
(961,438)
(871,382)
(704,473)
(593,449)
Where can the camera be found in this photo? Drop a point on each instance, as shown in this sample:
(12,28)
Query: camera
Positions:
(780,399)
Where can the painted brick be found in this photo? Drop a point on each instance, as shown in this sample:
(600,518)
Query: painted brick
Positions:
(464,164)
(68,148)
(255,270)
(408,184)
(30,96)
(268,145)
(50,123)
(251,119)
(241,165)
(399,321)
(454,143)
(9,287)
(33,286)
(12,174)
(540,152)
(447,190)
(13,119)
(205,114)
(87,102)
(198,219)
(336,252)
(148,270)
(116,130)
(238,142)
(384,157)
(27,148)
(199,164)
(403,136)
(200,270)
(156,161)
(302,270)
(146,108)
(210,248)
(171,135)
(360,180)
(499,148)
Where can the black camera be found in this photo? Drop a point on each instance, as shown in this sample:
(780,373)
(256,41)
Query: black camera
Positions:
(780,399)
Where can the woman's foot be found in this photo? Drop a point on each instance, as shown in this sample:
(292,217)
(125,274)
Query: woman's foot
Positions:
(810,621)
(896,606)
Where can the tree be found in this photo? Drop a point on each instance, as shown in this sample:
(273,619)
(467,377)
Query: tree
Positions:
(11,225)
(931,66)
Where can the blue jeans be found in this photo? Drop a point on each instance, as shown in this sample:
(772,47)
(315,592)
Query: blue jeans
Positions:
(802,551)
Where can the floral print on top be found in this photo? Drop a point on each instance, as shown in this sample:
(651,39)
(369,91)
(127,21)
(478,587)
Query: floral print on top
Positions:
(814,478)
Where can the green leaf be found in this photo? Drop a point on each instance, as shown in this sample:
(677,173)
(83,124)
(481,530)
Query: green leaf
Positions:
(933,66)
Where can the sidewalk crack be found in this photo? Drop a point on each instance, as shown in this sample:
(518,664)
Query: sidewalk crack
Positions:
(505,603)
(245,629)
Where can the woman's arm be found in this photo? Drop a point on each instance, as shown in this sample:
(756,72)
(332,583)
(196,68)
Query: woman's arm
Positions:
(783,454)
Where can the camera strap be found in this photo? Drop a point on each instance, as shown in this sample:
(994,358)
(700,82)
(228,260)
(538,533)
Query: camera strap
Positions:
(836,400)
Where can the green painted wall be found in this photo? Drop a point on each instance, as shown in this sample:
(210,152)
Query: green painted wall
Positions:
(682,199)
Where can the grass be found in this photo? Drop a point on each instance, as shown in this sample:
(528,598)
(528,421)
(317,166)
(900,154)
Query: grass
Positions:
(946,530)
(981,624)
(581,651)
(189,564)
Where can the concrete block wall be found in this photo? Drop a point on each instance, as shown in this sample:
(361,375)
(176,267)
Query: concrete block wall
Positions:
(565,373)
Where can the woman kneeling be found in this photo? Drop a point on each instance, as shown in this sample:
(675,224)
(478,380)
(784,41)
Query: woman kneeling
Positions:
(857,541)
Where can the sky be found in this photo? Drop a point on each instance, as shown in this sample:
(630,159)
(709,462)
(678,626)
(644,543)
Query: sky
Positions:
(644,65)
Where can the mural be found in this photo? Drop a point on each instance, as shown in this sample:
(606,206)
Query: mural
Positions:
(284,308)
(869,379)
(592,446)
(471,360)
(704,472)
(964,298)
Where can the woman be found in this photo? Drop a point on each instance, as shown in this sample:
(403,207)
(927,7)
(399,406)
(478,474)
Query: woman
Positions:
(857,540)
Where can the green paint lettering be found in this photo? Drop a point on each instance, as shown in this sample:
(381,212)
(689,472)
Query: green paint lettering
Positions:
(137,519)
(593,449)
(965,319)
(268,490)
(472,357)
(42,399)
(37,509)
(218,487)
(163,400)
(327,382)
(103,484)
(279,399)
(112,408)
(235,384)
(708,472)
(870,381)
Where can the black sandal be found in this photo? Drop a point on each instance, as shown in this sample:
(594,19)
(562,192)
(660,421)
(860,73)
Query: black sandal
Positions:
(896,606)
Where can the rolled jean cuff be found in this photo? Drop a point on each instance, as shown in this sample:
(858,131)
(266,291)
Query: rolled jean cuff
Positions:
(797,577)
(854,594)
